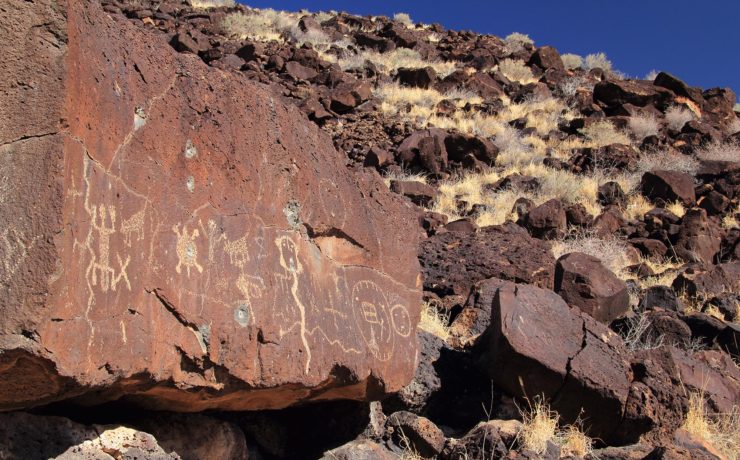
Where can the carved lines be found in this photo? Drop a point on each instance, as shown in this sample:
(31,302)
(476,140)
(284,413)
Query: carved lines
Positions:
(13,250)
(187,251)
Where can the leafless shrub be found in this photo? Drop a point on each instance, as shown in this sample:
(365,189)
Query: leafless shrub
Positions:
(637,334)
(650,76)
(515,42)
(204,4)
(677,116)
(667,161)
(570,86)
(727,151)
(643,126)
(572,61)
(516,70)
(404,19)
(598,61)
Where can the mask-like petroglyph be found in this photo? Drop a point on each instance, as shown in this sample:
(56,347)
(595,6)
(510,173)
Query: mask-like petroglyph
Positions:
(291,264)
(187,251)
(370,309)
(99,271)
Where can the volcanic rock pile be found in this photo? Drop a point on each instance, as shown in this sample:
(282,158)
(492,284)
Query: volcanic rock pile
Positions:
(197,219)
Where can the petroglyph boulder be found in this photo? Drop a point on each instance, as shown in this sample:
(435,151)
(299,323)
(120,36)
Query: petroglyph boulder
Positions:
(177,236)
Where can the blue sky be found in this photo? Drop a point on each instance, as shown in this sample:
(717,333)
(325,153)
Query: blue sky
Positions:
(698,41)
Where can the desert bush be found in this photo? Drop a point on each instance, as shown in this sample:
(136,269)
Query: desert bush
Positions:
(611,251)
(604,133)
(262,25)
(667,161)
(677,116)
(643,126)
(677,208)
(317,38)
(734,126)
(516,70)
(727,151)
(570,86)
(572,61)
(204,4)
(650,76)
(391,61)
(598,61)
(637,334)
(515,42)
(574,442)
(722,431)
(730,221)
(404,19)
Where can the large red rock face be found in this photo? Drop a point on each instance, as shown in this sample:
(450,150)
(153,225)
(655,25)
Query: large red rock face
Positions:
(178,236)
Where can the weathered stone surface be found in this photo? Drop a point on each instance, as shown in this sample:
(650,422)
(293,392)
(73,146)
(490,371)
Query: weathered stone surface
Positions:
(540,345)
(583,282)
(715,280)
(415,432)
(418,192)
(491,439)
(180,237)
(547,221)
(33,437)
(359,450)
(195,436)
(698,239)
(417,78)
(668,186)
(453,262)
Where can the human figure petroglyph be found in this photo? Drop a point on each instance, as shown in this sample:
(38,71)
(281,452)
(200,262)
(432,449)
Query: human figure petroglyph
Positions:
(291,264)
(99,270)
(187,251)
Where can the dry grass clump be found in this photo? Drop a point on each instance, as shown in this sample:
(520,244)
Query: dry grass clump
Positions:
(637,206)
(727,151)
(643,126)
(515,42)
(516,70)
(417,104)
(572,61)
(598,61)
(666,271)
(604,133)
(394,60)
(722,431)
(540,427)
(677,116)
(404,19)
(574,442)
(666,160)
(204,4)
(651,76)
(611,251)
(730,221)
(262,25)
(676,208)
(434,321)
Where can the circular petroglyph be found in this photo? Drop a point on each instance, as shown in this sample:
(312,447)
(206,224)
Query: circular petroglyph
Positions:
(241,315)
(370,309)
(400,320)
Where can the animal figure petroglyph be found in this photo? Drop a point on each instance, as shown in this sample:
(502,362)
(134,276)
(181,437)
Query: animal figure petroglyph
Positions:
(134,224)
(13,250)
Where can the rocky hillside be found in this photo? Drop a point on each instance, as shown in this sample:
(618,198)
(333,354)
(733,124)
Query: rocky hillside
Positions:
(236,233)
